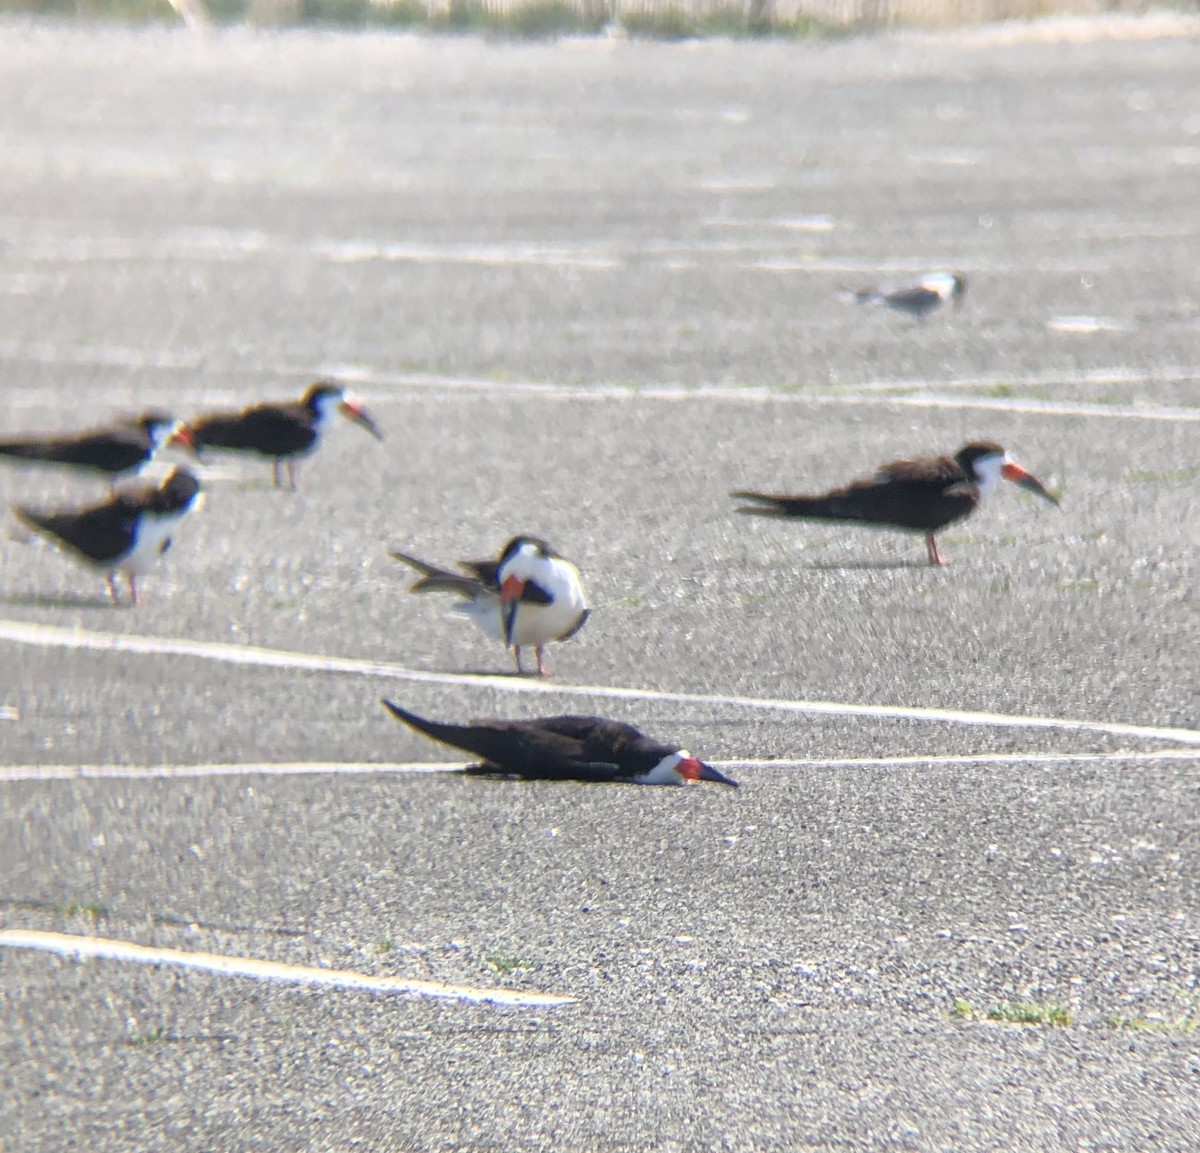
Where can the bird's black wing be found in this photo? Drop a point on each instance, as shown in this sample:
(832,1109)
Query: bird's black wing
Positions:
(915,299)
(484,571)
(916,494)
(597,772)
(521,747)
(933,472)
(103,533)
(118,449)
(269,429)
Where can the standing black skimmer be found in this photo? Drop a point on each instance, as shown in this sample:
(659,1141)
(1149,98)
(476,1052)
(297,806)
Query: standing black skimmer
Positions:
(920,297)
(285,431)
(567,748)
(923,495)
(528,596)
(116,450)
(126,533)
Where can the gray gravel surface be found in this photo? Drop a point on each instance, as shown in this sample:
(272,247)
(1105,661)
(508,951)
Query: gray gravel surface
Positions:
(588,288)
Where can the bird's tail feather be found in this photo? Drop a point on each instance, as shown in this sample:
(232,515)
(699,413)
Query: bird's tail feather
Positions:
(804,507)
(39,522)
(434,579)
(24,449)
(454,735)
(859,295)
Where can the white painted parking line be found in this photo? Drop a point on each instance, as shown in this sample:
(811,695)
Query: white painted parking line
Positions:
(910,761)
(86,948)
(1037,407)
(48,636)
(900,392)
(225,769)
(10,773)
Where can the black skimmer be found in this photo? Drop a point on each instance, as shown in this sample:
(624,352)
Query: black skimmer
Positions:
(923,495)
(529,595)
(285,431)
(920,297)
(128,532)
(115,450)
(567,748)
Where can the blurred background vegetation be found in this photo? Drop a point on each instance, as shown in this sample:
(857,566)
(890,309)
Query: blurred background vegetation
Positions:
(669,19)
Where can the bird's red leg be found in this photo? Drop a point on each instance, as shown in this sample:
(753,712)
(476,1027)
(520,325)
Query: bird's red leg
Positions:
(542,671)
(112,588)
(133,588)
(517,654)
(275,471)
(935,557)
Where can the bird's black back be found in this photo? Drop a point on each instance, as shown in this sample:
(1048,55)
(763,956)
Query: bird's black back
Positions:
(111,450)
(102,533)
(275,430)
(576,747)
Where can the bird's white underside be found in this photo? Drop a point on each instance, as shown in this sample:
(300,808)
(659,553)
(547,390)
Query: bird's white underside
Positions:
(153,533)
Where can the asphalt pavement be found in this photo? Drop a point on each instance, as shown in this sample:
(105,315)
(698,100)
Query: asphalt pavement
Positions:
(587,289)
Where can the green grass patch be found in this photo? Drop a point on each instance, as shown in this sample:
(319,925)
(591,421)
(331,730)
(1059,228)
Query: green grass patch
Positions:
(148,1036)
(127,11)
(94,912)
(504,964)
(1187,1022)
(537,20)
(533,20)
(1029,1013)
(1013,1013)
(1080,586)
(1165,476)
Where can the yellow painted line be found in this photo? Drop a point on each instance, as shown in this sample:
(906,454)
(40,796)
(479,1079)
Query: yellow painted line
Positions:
(49,636)
(102,948)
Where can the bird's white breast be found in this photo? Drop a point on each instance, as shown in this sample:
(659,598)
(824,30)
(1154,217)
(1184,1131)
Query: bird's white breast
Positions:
(152,533)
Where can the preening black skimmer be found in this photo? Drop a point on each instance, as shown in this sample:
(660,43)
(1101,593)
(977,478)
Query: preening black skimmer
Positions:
(529,595)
